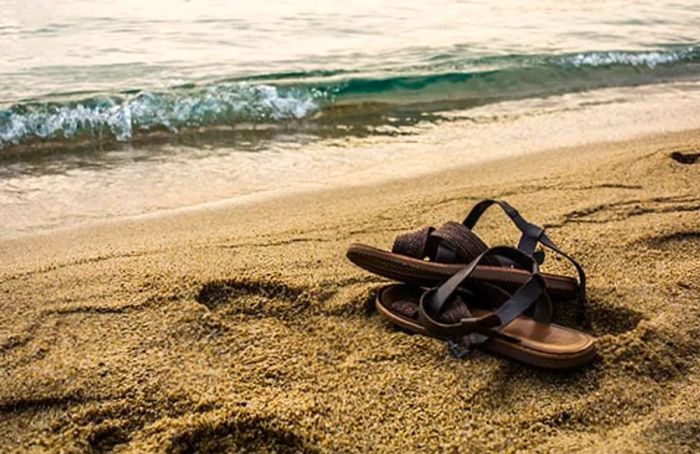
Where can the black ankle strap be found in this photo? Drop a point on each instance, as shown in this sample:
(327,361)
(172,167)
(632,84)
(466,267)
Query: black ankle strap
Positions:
(532,235)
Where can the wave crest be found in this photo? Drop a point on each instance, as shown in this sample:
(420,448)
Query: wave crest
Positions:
(648,59)
(463,82)
(120,116)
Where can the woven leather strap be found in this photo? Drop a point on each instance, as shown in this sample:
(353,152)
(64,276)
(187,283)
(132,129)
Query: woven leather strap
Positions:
(452,242)
(413,244)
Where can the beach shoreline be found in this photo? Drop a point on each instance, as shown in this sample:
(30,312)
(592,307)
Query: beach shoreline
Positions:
(49,192)
(242,325)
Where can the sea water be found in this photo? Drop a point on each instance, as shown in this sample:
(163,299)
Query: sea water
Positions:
(123,108)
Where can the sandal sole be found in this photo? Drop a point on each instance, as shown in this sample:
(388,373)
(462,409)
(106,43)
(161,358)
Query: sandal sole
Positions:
(420,272)
(501,347)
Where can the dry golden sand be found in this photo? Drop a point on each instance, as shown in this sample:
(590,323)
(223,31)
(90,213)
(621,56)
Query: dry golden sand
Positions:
(244,328)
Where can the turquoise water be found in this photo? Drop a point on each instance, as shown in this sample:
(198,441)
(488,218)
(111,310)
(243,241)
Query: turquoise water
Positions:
(97,71)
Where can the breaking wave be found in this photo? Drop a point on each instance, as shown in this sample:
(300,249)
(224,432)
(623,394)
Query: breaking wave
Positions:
(290,96)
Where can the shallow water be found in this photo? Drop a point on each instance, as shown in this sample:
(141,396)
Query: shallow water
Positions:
(100,97)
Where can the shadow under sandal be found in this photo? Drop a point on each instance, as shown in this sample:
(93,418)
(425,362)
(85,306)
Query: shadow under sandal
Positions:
(517,325)
(429,256)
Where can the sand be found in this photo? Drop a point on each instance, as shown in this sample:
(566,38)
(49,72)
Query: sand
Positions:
(244,328)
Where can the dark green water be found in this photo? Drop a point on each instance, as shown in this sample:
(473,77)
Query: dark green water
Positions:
(103,71)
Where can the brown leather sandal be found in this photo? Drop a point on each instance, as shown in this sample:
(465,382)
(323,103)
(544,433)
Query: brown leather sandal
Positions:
(517,325)
(429,256)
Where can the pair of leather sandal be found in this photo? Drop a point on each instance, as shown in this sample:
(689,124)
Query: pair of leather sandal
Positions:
(458,289)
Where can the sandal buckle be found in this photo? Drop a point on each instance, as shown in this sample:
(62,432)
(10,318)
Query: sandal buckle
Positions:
(458,350)
(538,255)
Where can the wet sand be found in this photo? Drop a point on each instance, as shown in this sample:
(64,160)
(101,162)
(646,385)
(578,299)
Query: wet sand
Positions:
(244,328)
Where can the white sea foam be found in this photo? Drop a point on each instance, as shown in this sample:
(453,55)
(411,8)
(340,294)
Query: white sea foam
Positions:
(120,117)
(648,59)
